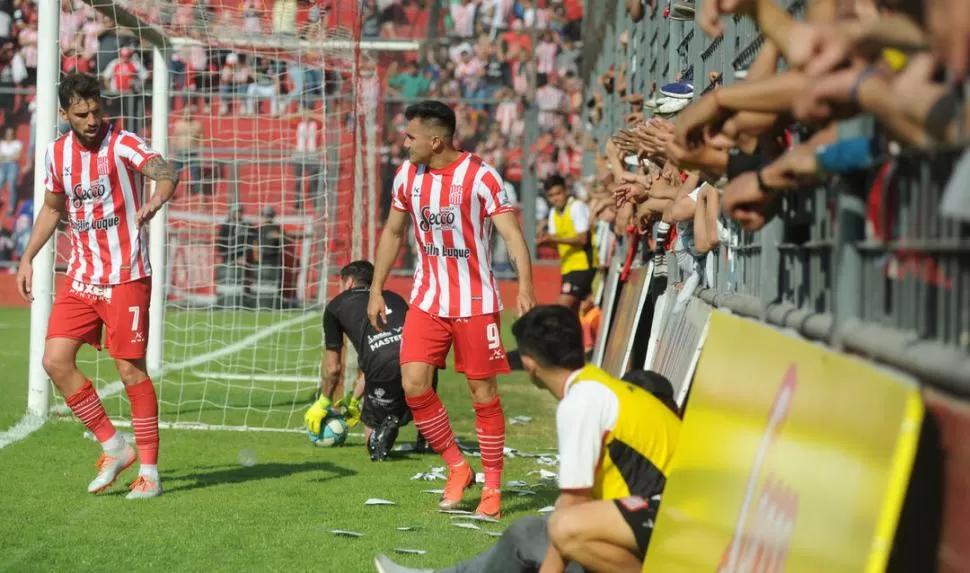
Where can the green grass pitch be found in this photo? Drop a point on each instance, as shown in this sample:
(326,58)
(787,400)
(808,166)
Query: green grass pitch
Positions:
(217,514)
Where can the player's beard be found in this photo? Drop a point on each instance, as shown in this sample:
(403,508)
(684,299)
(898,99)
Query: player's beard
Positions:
(89,140)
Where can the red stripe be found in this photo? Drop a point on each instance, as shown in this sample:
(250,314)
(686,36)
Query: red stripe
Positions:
(118,200)
(471,240)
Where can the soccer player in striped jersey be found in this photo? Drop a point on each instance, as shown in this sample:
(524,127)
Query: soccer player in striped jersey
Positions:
(94,180)
(453,198)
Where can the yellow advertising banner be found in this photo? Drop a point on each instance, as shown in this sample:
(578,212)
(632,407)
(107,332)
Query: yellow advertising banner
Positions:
(792,458)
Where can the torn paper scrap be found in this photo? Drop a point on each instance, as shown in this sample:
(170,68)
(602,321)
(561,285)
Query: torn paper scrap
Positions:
(411,551)
(346,533)
(520,420)
(516,483)
(437,491)
(480,477)
(467,526)
(543,474)
(377,501)
(521,492)
(494,533)
(547,509)
(476,518)
(405,528)
(455,511)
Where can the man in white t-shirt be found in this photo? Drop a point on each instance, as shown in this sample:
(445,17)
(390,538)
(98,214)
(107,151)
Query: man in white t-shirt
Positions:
(616,442)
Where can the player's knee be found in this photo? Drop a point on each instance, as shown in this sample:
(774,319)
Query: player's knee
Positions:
(57,365)
(483,391)
(564,532)
(131,371)
(416,378)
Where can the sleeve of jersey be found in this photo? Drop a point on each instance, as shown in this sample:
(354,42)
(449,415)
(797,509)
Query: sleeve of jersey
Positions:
(134,151)
(492,193)
(52,181)
(333,334)
(580,216)
(399,196)
(583,419)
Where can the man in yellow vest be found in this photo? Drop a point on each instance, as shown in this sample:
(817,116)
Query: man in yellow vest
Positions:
(616,442)
(570,232)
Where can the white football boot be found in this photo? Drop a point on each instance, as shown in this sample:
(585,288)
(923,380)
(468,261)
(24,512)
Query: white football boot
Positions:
(145,488)
(109,467)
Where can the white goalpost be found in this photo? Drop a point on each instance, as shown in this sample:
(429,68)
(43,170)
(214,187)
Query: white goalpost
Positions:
(271,120)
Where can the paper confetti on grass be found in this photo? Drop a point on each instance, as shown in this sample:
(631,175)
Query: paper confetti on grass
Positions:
(346,533)
(476,518)
(547,509)
(467,526)
(377,501)
(405,529)
(455,511)
(411,551)
(437,491)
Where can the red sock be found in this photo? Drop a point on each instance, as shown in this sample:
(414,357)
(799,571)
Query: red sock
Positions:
(431,419)
(144,420)
(88,408)
(490,425)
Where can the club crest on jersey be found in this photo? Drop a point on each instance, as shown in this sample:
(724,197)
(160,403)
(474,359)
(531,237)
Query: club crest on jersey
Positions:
(455,195)
(443,219)
(81,194)
(102,165)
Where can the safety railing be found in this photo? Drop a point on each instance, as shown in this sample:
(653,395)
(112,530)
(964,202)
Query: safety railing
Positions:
(867,264)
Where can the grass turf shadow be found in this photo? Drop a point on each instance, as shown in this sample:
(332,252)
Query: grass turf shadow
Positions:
(232,474)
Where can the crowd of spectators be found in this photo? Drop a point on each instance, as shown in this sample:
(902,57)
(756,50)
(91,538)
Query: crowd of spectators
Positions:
(495,59)
(686,165)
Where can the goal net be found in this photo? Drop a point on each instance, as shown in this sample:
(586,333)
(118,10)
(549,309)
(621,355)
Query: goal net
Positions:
(268,113)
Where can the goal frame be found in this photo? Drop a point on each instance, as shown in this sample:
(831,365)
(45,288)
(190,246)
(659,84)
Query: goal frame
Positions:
(48,70)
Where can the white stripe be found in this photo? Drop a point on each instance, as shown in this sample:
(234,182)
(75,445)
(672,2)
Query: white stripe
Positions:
(30,424)
(77,245)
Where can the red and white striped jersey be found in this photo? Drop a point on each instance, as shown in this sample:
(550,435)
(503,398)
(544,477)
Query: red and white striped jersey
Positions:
(450,209)
(104,193)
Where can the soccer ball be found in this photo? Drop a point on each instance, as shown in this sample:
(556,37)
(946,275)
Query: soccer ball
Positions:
(333,432)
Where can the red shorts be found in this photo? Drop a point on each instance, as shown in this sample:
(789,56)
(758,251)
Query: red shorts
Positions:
(80,310)
(479,352)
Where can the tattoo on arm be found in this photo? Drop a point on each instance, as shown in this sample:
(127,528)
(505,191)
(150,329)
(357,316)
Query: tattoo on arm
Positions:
(157,169)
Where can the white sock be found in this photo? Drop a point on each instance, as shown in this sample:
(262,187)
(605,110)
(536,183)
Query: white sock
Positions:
(114,444)
(148,471)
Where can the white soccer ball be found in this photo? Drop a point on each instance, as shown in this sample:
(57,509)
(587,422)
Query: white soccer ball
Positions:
(333,432)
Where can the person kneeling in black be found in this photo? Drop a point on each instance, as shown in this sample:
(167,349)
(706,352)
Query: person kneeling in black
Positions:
(384,410)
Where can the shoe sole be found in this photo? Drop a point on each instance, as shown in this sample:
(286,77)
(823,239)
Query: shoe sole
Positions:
(114,479)
(453,503)
(159,494)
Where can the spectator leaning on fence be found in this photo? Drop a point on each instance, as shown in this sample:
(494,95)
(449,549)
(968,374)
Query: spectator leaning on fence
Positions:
(889,63)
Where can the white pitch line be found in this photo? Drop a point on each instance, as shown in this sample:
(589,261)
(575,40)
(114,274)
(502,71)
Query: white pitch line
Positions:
(30,424)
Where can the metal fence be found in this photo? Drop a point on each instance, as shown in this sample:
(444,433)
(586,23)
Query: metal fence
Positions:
(899,294)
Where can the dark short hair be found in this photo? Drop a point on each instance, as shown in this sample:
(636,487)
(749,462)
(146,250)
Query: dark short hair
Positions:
(77,86)
(554,181)
(361,271)
(552,336)
(435,113)
(655,383)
